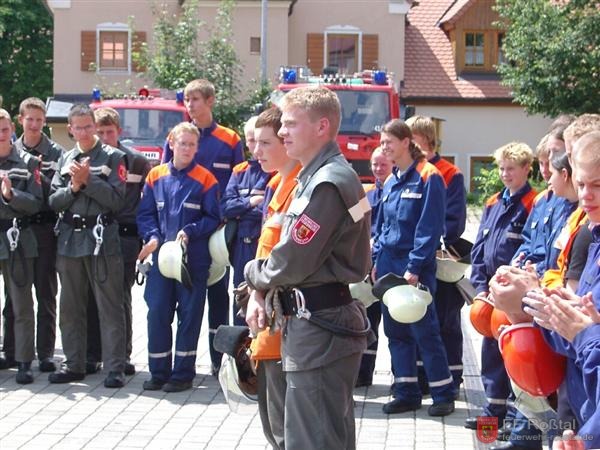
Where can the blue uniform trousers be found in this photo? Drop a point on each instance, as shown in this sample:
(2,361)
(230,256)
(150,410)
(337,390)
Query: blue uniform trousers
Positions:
(164,297)
(495,380)
(244,251)
(405,339)
(524,432)
(218,310)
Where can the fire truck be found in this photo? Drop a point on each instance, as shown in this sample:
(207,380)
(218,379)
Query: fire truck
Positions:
(146,118)
(368,99)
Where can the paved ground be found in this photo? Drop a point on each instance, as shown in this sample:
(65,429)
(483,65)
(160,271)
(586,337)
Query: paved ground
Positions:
(87,415)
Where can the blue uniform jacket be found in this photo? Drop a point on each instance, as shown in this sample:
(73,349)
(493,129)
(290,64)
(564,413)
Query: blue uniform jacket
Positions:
(175,200)
(500,234)
(456,199)
(248,179)
(576,379)
(534,237)
(219,151)
(562,209)
(587,348)
(411,218)
(374,194)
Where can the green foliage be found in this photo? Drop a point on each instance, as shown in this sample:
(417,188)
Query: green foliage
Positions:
(26,33)
(487,183)
(178,56)
(553,54)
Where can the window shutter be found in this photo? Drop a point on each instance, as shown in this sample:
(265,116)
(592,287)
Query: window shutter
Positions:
(88,49)
(314,52)
(139,37)
(370,51)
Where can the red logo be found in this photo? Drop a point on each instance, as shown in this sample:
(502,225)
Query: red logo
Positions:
(487,429)
(37,177)
(122,172)
(304,230)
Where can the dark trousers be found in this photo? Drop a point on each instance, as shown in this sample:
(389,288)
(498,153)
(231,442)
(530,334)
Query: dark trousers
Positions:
(271,401)
(495,380)
(46,288)
(94,343)
(218,311)
(21,300)
(319,407)
(367,363)
(76,276)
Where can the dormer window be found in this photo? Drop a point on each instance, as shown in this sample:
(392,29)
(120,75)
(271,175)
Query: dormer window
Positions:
(474,49)
(482,50)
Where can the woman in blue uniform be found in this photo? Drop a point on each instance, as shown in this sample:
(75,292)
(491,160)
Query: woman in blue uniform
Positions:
(409,226)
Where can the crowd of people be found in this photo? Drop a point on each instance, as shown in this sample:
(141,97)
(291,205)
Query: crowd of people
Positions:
(305,229)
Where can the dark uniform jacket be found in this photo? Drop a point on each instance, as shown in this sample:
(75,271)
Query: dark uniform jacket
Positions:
(103,194)
(26,200)
(325,239)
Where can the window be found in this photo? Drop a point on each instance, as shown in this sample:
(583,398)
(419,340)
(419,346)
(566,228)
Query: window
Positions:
(113,50)
(499,59)
(255,46)
(476,163)
(342,52)
(474,50)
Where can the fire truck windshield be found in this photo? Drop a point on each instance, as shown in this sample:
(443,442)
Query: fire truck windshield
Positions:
(363,112)
(147,127)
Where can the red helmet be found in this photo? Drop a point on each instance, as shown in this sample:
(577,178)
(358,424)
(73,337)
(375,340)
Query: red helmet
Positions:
(497,320)
(529,360)
(480,315)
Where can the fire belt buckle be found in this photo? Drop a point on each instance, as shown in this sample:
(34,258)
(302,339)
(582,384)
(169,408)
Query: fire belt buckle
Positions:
(301,311)
(77,222)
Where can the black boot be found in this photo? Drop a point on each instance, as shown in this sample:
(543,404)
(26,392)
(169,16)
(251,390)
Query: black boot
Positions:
(24,373)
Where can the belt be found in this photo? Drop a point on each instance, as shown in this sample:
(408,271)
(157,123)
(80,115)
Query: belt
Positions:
(82,222)
(128,229)
(43,217)
(22,222)
(316,298)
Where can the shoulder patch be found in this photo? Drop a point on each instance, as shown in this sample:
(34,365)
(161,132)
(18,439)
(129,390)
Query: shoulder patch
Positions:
(493,199)
(304,230)
(226,135)
(528,199)
(426,169)
(241,167)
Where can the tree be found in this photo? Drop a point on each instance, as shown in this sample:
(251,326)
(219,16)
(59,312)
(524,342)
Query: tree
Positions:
(552,49)
(177,56)
(26,32)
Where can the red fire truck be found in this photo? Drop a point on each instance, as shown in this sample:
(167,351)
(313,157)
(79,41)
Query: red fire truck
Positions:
(146,118)
(369,100)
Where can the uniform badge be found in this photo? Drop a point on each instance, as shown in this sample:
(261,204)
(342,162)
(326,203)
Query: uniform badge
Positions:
(487,429)
(304,230)
(122,172)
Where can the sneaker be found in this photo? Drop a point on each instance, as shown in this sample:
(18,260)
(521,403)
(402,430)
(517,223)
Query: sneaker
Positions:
(64,375)
(153,384)
(397,406)
(441,409)
(129,369)
(114,380)
(47,365)
(177,386)
(92,367)
(24,373)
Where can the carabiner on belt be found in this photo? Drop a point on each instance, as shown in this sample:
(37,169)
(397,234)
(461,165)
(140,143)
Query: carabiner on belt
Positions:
(301,311)
(12,234)
(98,232)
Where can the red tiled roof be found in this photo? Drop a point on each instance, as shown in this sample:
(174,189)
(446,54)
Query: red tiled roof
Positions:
(456,10)
(429,61)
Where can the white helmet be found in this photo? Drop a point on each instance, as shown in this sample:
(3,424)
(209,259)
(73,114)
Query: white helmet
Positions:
(363,291)
(453,261)
(230,385)
(220,242)
(406,303)
(215,273)
(172,262)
